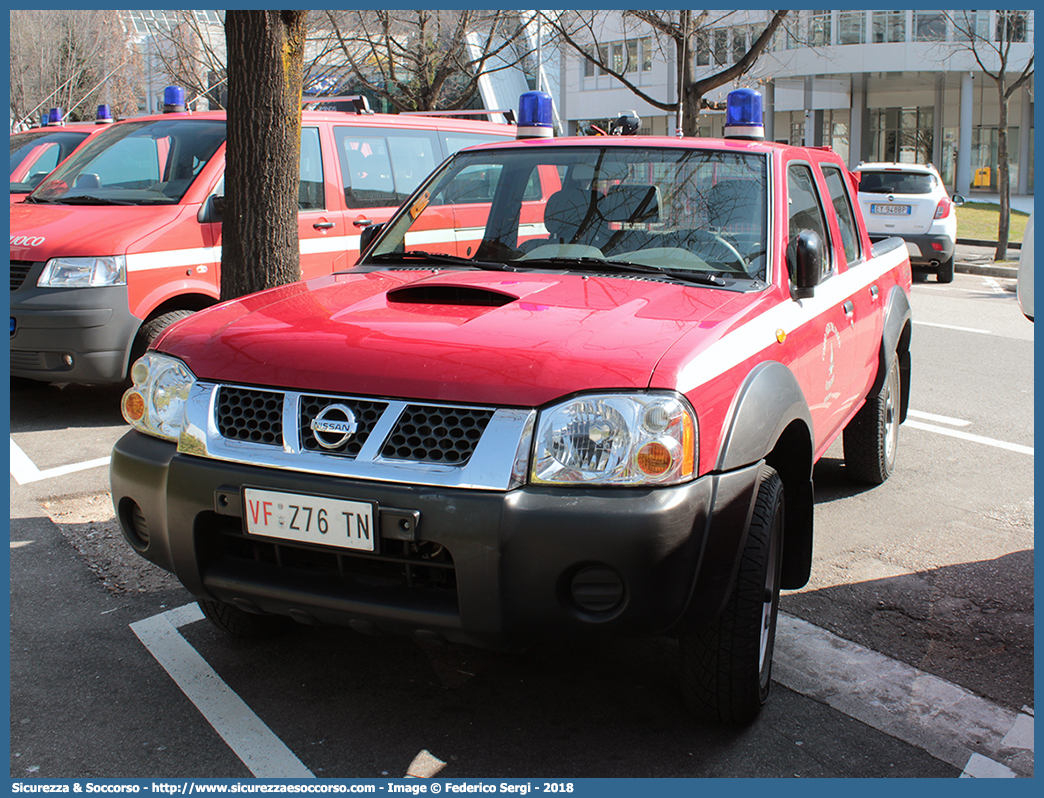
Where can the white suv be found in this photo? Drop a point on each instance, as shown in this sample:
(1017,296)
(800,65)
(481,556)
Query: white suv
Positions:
(910,201)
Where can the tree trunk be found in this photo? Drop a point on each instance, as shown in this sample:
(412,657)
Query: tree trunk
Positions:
(1003,180)
(260,246)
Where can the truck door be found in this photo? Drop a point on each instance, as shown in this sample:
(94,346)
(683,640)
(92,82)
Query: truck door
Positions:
(320,229)
(827,339)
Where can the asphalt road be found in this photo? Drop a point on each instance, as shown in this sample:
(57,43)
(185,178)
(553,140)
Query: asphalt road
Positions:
(909,654)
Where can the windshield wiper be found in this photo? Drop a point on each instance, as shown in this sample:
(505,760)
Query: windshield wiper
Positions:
(438,257)
(703,278)
(86,199)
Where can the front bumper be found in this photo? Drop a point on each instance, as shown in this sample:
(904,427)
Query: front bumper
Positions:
(489,568)
(70,334)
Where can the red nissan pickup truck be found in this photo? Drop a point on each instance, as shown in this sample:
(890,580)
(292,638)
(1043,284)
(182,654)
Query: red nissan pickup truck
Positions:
(573,388)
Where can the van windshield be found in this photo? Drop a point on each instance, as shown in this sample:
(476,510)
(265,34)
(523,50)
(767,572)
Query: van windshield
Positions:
(690,213)
(36,153)
(152,162)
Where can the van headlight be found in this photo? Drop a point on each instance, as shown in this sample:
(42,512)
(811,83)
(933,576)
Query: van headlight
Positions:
(84,272)
(616,439)
(155,404)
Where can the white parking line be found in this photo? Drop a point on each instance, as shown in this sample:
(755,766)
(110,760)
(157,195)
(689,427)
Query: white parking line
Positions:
(953,422)
(953,327)
(937,716)
(967,436)
(264,754)
(24,470)
(944,719)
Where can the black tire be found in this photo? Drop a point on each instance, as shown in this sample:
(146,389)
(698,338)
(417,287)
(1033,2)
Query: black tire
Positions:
(151,329)
(944,273)
(236,622)
(871,438)
(727,669)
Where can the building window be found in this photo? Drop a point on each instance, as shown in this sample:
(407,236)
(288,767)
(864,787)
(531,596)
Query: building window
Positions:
(889,26)
(721,46)
(647,54)
(929,26)
(819,29)
(703,48)
(851,27)
(739,43)
(971,25)
(902,135)
(1011,26)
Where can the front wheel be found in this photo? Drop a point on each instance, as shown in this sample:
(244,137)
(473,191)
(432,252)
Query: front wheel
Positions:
(727,668)
(871,438)
(234,621)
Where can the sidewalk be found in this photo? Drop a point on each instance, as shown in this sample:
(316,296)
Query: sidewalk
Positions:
(1019,202)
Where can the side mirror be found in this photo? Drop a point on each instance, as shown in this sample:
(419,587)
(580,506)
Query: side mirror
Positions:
(805,262)
(367,236)
(957,200)
(212,209)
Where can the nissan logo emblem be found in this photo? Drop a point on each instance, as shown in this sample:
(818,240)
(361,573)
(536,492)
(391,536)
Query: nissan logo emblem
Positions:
(333,426)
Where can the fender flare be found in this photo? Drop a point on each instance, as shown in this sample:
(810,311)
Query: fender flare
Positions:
(770,421)
(895,342)
(768,402)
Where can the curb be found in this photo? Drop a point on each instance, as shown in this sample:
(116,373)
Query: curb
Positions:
(976,242)
(992,270)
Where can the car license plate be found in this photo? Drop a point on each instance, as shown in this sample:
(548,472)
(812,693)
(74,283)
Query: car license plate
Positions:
(311,519)
(891,210)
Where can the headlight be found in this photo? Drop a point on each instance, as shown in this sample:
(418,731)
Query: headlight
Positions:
(616,439)
(155,404)
(84,272)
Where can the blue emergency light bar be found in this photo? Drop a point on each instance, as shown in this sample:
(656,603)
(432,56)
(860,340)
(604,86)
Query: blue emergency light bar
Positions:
(535,116)
(173,100)
(55,117)
(104,116)
(744,118)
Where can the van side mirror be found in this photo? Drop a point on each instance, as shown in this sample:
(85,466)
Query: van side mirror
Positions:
(212,209)
(366,237)
(805,262)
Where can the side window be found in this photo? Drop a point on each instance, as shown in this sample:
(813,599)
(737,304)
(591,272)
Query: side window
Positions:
(474,183)
(805,210)
(311,195)
(453,141)
(382,167)
(842,202)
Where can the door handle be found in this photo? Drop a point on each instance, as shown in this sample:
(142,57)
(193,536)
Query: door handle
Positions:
(848,307)
(874,292)
(362,222)
(323,225)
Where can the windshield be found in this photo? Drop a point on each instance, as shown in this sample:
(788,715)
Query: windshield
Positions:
(135,163)
(896,182)
(675,210)
(35,154)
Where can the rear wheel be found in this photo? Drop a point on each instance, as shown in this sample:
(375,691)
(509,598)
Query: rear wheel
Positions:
(944,274)
(872,437)
(727,668)
(236,622)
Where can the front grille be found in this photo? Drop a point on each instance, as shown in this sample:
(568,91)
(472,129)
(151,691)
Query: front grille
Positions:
(246,414)
(19,272)
(366,414)
(430,434)
(435,434)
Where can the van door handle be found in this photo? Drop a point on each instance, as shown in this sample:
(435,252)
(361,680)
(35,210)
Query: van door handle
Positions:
(874,292)
(323,225)
(848,307)
(362,222)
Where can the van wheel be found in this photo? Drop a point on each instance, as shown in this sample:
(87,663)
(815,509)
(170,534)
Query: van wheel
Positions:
(944,274)
(872,437)
(151,329)
(727,668)
(234,621)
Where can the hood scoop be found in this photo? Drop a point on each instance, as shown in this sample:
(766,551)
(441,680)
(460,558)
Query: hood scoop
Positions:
(458,295)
